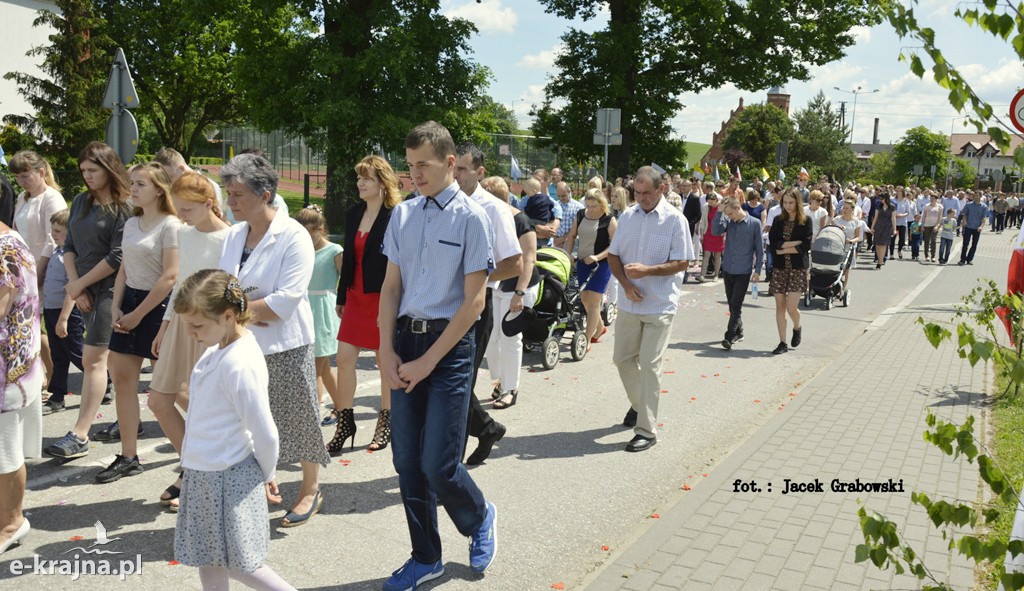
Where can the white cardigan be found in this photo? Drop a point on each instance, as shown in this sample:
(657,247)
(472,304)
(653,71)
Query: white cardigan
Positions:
(32,221)
(278,271)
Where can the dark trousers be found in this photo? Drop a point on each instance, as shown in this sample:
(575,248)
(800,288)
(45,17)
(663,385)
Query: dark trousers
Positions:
(970,244)
(735,290)
(930,233)
(1000,222)
(63,351)
(769,259)
(428,430)
(915,245)
(479,420)
(901,232)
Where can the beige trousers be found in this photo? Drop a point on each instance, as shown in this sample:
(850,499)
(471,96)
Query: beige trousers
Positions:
(640,343)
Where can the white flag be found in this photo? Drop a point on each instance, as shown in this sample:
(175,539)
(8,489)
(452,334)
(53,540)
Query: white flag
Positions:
(516,171)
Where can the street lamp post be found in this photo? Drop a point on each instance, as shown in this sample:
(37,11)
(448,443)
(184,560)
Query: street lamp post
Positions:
(949,164)
(855,92)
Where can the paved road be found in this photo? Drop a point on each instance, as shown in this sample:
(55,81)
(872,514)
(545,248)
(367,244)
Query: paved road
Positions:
(573,507)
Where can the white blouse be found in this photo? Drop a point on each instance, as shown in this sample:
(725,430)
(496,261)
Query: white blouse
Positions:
(32,220)
(278,272)
(229,411)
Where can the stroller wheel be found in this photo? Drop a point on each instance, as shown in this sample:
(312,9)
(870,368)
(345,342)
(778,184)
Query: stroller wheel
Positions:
(579,345)
(608,313)
(846,298)
(807,299)
(828,303)
(550,351)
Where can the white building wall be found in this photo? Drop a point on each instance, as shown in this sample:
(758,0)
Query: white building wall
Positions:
(18,36)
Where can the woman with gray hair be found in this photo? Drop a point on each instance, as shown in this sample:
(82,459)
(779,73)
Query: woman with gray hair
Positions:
(272,255)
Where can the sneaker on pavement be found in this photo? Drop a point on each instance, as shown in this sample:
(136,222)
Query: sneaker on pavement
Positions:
(727,344)
(119,468)
(112,432)
(52,406)
(413,574)
(483,544)
(68,447)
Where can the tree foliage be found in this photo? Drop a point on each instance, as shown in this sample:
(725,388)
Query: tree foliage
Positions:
(356,76)
(640,64)
(757,130)
(818,140)
(964,174)
(67,100)
(919,146)
(181,54)
(1001,19)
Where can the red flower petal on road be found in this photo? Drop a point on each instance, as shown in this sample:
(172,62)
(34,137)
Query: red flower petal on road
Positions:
(605,548)
(705,475)
(655,516)
(686,487)
(757,402)
(664,391)
(173,563)
(693,397)
(670,371)
(558,586)
(344,462)
(76,538)
(703,376)
(661,424)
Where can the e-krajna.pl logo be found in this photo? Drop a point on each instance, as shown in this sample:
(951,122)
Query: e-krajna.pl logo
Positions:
(85,561)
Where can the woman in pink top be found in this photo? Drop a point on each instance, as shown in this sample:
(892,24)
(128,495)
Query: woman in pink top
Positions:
(931,219)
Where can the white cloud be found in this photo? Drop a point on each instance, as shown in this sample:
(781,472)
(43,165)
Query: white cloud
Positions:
(489,16)
(545,60)
(861,34)
(837,74)
(997,84)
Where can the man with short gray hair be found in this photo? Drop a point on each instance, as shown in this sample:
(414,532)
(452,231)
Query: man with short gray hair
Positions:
(648,254)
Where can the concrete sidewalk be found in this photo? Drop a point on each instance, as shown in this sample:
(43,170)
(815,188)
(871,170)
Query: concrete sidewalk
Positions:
(861,417)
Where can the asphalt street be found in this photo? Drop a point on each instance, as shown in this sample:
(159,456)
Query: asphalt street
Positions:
(568,497)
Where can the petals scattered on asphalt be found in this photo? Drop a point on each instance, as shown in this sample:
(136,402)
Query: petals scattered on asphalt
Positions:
(62,502)
(76,538)
(605,548)
(703,376)
(99,415)
(344,462)
(705,475)
(655,516)
(757,402)
(717,374)
(558,586)
(173,563)
(670,371)
(664,391)
(686,487)
(661,424)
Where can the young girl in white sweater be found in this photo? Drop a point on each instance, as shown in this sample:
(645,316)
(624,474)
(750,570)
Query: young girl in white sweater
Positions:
(231,446)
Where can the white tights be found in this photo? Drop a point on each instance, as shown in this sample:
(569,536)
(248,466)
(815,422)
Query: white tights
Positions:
(216,578)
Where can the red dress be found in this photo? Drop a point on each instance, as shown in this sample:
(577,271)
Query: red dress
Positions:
(359,319)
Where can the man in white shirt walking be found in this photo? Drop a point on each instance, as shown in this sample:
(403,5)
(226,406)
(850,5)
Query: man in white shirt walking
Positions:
(650,251)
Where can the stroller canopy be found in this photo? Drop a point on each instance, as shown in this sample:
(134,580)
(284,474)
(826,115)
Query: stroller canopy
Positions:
(829,247)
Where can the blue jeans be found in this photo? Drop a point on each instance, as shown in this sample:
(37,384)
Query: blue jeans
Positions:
(63,351)
(970,244)
(428,429)
(945,247)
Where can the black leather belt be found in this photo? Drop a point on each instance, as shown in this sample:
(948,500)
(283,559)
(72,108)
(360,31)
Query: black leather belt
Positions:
(417,326)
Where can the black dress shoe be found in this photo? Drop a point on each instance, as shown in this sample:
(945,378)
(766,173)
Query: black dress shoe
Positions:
(487,439)
(641,443)
(797,336)
(630,420)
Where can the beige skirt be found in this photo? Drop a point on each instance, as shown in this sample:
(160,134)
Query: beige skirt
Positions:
(178,355)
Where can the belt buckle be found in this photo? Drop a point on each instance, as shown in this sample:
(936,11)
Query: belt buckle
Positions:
(418,326)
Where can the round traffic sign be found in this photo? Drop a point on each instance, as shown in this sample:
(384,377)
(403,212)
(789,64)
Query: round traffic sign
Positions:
(1017,110)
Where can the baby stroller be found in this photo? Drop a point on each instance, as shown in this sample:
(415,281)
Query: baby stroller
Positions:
(558,310)
(830,256)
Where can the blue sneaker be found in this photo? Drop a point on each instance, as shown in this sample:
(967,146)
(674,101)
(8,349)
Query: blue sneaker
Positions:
(483,545)
(412,574)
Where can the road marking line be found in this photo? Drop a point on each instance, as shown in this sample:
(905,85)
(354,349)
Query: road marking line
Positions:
(890,312)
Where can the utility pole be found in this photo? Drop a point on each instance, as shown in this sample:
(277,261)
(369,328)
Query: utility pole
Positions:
(842,114)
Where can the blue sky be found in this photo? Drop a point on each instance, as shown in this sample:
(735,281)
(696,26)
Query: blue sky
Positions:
(518,41)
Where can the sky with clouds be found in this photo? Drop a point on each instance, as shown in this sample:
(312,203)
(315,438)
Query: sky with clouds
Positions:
(518,41)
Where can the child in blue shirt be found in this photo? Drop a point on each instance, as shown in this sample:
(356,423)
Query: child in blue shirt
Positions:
(916,236)
(64,323)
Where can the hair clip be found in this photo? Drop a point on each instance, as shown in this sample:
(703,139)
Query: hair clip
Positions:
(229,294)
(315,208)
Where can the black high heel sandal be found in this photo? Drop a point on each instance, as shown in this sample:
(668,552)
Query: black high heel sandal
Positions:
(382,434)
(346,428)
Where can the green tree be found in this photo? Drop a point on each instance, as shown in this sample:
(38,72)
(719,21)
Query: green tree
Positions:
(964,174)
(919,146)
(879,170)
(819,140)
(355,77)
(652,49)
(1001,19)
(181,53)
(67,100)
(757,131)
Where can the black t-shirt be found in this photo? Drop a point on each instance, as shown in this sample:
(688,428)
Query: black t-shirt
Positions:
(522,227)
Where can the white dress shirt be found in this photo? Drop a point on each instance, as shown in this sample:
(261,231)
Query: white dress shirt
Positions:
(278,271)
(506,243)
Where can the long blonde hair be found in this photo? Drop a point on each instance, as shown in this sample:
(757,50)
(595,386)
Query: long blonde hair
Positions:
(27,160)
(375,166)
(159,177)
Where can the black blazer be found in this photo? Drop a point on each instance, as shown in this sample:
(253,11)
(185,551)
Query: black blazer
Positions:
(803,233)
(375,264)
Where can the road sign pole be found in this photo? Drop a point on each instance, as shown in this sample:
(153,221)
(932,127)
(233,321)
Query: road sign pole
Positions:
(115,139)
(606,157)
